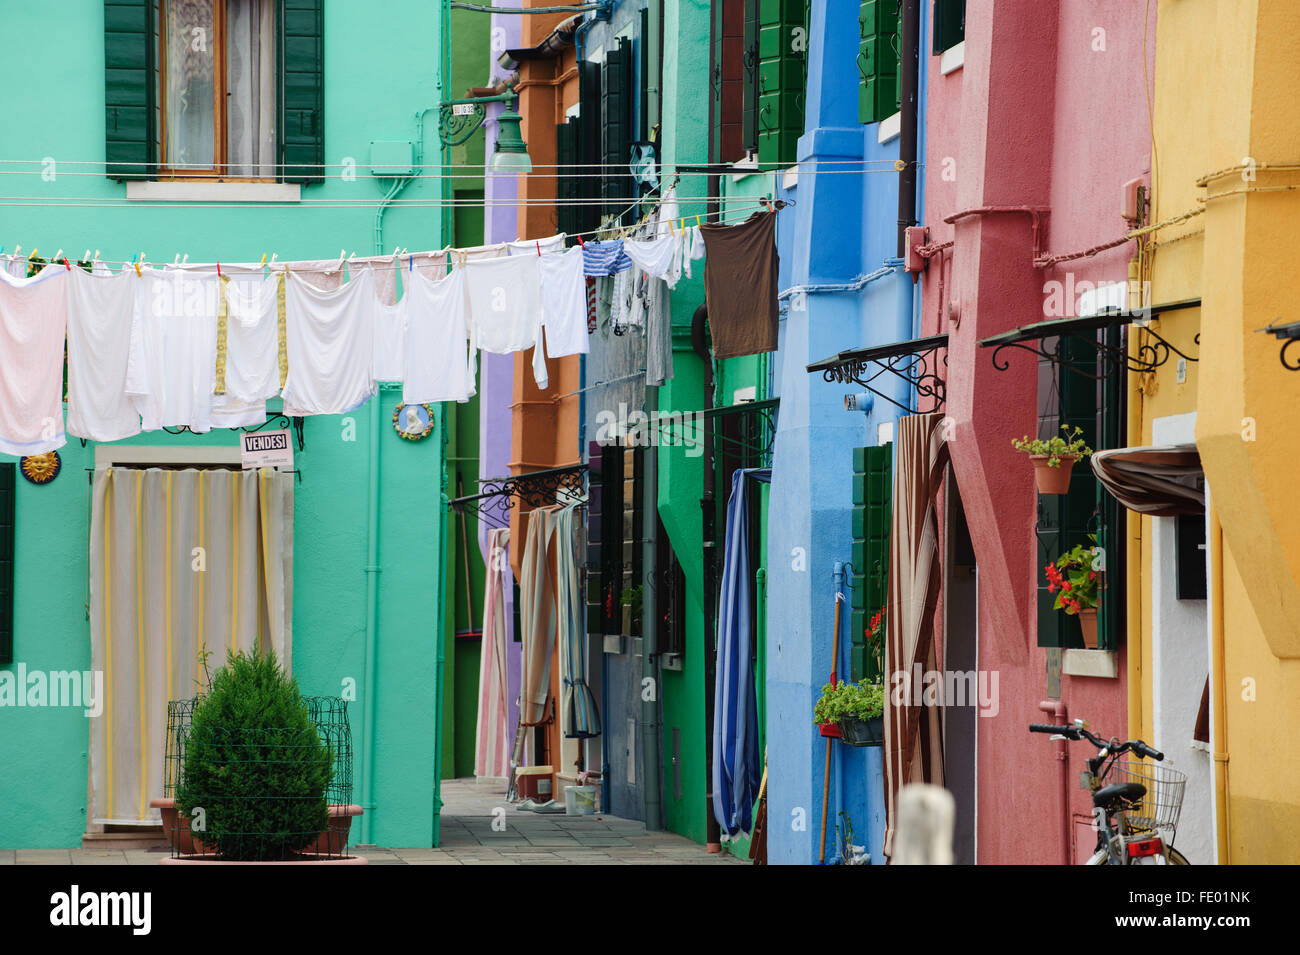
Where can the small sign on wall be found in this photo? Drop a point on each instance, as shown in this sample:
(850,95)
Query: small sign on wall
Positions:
(266,449)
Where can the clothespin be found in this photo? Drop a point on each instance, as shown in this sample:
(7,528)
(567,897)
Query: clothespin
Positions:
(84,258)
(342,255)
(186,259)
(697,221)
(410,261)
(33,255)
(218,270)
(136,264)
(539,247)
(274,256)
(177,260)
(66,264)
(96,258)
(263,262)
(397,249)
(58,255)
(17,248)
(581,244)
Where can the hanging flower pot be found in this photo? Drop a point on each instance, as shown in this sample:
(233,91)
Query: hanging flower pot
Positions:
(1088,624)
(831,730)
(1053,480)
(1054,458)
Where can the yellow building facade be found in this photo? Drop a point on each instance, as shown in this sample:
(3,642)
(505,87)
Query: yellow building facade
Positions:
(1225,191)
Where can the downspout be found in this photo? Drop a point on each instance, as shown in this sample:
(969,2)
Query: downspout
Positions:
(1057,709)
(1133,563)
(708,522)
(1218,655)
(908,73)
(372,623)
(440,658)
(651,758)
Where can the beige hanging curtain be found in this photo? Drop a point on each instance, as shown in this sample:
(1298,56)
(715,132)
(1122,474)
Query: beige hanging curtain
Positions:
(913,738)
(179,561)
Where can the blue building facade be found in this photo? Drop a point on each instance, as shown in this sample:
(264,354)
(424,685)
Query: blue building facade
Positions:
(843,288)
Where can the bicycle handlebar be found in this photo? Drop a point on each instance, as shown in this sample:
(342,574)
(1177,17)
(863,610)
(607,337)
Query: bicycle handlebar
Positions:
(1077,733)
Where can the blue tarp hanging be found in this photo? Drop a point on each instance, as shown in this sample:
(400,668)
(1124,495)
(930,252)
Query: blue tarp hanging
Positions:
(736,760)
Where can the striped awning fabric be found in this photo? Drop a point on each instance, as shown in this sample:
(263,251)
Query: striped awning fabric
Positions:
(1157,481)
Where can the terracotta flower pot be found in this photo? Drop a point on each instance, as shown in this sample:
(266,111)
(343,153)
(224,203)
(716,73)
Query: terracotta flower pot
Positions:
(1088,624)
(1053,480)
(176,828)
(333,840)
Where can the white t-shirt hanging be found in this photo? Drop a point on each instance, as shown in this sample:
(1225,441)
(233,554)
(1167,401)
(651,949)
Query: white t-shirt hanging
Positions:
(172,366)
(505,307)
(552,243)
(331,345)
(252,372)
(439,365)
(564,303)
(33,319)
(101,308)
(390,336)
(659,257)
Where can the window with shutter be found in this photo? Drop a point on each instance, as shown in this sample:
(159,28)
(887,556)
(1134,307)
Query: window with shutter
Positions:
(749,116)
(873,476)
(566,191)
(7,510)
(949,24)
(130,55)
(878,22)
(590,149)
(1065,520)
(782,78)
(233,107)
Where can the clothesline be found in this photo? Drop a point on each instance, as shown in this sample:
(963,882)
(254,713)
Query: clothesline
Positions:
(314,266)
(770,166)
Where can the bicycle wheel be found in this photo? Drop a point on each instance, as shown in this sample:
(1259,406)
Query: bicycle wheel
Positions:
(1176,857)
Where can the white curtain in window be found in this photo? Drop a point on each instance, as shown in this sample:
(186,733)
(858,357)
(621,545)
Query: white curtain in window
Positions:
(190,82)
(250,83)
(180,561)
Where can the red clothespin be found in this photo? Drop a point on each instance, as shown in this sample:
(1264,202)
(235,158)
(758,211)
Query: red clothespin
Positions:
(66,264)
(218,270)
(580,242)
(539,248)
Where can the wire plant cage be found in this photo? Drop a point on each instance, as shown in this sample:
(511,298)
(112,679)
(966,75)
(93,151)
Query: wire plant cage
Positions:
(265,823)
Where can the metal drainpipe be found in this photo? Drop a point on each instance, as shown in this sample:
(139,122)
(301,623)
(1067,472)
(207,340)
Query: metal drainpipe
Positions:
(708,520)
(1057,709)
(908,80)
(372,623)
(651,758)
(440,658)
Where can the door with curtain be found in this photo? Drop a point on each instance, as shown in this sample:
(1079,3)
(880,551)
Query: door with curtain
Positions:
(182,563)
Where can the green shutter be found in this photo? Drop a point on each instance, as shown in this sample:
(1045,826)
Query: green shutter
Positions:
(589,148)
(949,24)
(566,186)
(616,122)
(1113,519)
(302,90)
(877,60)
(782,74)
(873,472)
(7,492)
(130,88)
(595,540)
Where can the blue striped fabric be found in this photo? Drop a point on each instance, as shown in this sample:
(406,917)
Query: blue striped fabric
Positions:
(605,258)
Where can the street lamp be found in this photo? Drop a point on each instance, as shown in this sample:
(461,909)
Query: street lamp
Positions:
(459,119)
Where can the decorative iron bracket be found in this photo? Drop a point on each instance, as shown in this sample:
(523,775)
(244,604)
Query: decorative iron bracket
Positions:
(917,362)
(497,496)
(278,420)
(1288,335)
(1153,349)
(459,119)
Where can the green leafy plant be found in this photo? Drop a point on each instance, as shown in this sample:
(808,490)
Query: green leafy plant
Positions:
(255,769)
(840,700)
(1055,447)
(631,598)
(1075,578)
(876,640)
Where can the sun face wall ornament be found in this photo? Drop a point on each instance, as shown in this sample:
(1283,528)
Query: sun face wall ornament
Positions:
(413,422)
(41,468)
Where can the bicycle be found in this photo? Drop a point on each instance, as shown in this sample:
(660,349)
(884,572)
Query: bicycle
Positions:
(1133,802)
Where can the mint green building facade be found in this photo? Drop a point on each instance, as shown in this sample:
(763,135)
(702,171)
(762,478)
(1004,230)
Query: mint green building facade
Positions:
(369,527)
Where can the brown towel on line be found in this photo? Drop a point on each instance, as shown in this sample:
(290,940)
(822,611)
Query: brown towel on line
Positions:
(740,276)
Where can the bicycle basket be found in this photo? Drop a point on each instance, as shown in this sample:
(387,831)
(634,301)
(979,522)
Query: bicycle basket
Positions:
(1163,801)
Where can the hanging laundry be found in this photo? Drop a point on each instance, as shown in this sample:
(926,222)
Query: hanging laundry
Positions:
(661,257)
(564,303)
(100,310)
(605,258)
(331,346)
(552,243)
(390,339)
(324,274)
(384,268)
(14,265)
(432,265)
(654,303)
(33,319)
(251,346)
(505,308)
(491,732)
(171,371)
(438,365)
(740,285)
(692,248)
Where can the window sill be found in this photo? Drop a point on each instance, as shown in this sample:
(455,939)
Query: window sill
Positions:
(744,167)
(952,59)
(1098,663)
(889,128)
(180,190)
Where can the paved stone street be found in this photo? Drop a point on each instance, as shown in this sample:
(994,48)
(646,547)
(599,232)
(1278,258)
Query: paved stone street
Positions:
(468,838)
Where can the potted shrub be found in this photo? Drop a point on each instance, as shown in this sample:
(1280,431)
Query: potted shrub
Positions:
(1054,458)
(852,712)
(1075,580)
(255,770)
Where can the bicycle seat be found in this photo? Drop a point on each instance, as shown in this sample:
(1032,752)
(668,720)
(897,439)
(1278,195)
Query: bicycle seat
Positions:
(1118,792)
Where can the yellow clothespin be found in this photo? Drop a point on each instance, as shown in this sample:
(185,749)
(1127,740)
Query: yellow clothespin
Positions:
(263,262)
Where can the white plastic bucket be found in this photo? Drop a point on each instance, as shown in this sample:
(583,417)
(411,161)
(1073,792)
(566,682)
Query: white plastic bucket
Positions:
(580,800)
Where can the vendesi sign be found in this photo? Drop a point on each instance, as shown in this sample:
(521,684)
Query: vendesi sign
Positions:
(266,449)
